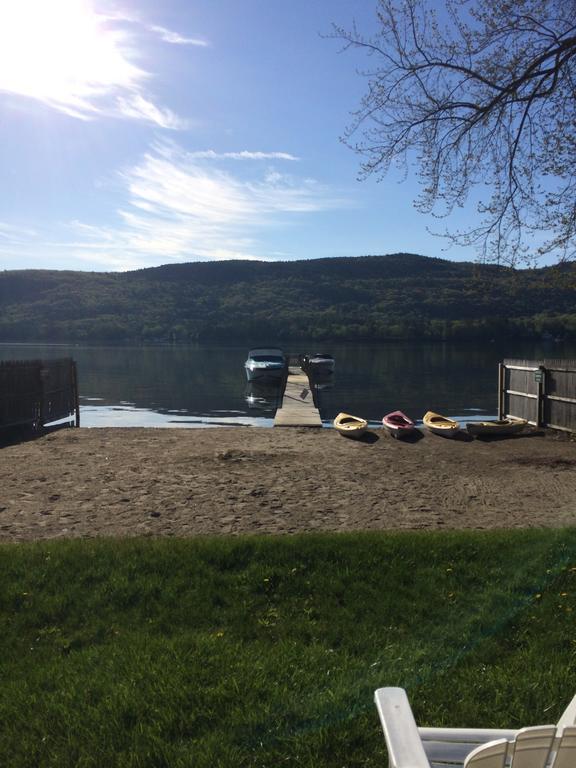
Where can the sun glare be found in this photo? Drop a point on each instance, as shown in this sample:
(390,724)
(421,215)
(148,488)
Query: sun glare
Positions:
(63,53)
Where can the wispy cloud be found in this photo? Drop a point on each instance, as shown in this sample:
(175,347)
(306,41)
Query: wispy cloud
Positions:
(186,206)
(137,106)
(78,61)
(16,234)
(210,154)
(168,36)
(180,206)
(171,180)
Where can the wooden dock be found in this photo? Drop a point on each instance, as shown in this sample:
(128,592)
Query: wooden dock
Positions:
(297,409)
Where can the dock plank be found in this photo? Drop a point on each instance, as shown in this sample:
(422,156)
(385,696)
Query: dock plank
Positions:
(298,409)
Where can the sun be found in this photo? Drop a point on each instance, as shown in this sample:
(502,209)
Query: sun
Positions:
(63,53)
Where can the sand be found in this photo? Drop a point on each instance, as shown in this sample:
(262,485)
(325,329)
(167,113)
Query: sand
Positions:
(165,482)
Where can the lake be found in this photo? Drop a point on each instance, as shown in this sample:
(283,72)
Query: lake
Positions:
(197,386)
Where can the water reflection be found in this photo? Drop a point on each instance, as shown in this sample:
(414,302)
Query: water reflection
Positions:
(263,397)
(323,383)
(206,386)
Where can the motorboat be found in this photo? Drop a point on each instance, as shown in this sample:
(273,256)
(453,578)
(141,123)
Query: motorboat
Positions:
(398,424)
(320,364)
(350,426)
(440,425)
(496,427)
(265,364)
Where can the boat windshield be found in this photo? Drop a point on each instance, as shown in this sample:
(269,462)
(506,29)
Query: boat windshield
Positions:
(267,359)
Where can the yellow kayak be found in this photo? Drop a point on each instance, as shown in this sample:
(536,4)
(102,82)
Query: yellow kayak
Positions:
(502,427)
(440,425)
(350,426)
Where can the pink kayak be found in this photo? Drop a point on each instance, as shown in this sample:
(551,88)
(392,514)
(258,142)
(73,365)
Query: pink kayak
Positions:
(398,424)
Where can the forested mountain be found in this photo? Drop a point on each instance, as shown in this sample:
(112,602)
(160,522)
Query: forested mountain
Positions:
(370,298)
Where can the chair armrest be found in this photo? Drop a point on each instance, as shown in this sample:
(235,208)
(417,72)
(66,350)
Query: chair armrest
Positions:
(466,735)
(568,717)
(405,748)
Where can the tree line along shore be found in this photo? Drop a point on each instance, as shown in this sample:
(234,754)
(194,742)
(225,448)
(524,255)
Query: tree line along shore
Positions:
(371,298)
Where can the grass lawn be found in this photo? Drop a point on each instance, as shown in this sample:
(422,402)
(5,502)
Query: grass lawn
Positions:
(266,651)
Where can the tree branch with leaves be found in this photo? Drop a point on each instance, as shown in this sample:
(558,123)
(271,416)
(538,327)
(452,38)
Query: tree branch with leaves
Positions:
(478,95)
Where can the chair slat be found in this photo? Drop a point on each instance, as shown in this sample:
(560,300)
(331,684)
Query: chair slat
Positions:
(531,747)
(490,755)
(565,749)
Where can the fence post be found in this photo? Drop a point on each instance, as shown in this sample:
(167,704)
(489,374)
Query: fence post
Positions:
(541,396)
(41,410)
(76,393)
(501,380)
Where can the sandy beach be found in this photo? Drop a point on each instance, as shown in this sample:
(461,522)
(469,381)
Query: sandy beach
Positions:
(163,482)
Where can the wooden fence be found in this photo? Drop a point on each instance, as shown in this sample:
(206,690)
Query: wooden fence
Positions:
(541,391)
(37,392)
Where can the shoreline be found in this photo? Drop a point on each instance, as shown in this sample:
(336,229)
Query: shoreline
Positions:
(187,482)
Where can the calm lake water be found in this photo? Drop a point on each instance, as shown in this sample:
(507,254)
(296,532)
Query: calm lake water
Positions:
(200,386)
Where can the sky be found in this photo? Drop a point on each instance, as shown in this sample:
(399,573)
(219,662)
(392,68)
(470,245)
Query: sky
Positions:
(137,133)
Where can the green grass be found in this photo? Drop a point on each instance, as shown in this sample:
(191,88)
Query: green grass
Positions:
(266,651)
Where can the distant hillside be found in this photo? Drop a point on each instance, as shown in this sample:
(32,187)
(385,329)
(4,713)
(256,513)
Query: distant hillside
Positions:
(363,298)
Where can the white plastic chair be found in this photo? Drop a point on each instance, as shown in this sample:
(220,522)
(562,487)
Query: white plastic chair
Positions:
(548,746)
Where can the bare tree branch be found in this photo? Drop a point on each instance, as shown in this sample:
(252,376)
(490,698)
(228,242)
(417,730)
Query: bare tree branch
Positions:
(477,92)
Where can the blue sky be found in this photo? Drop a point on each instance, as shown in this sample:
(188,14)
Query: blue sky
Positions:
(140,133)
